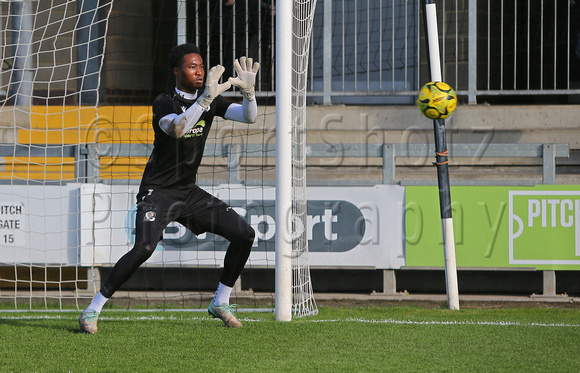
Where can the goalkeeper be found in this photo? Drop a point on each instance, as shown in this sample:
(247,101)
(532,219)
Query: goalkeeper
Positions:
(168,190)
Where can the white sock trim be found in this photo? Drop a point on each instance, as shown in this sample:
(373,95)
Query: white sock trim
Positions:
(222,295)
(98,302)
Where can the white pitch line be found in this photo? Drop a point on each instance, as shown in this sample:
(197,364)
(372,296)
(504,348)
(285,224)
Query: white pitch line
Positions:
(453,322)
(386,321)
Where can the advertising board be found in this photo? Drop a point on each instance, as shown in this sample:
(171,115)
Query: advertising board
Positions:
(497,226)
(346,227)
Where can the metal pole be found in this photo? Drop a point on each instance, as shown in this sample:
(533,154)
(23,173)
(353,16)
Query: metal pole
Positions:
(90,44)
(22,14)
(181,22)
(472,52)
(327,53)
(442,157)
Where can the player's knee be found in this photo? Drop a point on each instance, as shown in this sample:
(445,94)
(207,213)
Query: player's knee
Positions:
(251,234)
(143,250)
(247,236)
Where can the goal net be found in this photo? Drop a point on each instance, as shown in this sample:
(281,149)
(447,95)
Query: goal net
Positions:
(303,299)
(52,53)
(77,82)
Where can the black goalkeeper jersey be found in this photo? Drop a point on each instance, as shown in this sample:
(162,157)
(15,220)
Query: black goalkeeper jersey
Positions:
(174,162)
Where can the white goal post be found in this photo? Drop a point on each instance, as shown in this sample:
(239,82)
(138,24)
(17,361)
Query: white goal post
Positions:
(294,295)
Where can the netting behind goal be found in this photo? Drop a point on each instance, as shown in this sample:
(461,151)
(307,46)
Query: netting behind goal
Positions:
(77,81)
(52,53)
(303,299)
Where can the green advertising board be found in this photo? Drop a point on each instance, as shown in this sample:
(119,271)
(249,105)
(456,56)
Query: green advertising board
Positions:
(496,226)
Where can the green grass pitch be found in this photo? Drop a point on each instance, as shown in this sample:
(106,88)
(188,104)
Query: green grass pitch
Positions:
(389,339)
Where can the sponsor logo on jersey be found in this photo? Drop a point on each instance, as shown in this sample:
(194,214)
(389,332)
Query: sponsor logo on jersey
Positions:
(197,130)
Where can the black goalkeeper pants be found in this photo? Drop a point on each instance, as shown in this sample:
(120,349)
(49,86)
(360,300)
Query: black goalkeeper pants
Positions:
(196,210)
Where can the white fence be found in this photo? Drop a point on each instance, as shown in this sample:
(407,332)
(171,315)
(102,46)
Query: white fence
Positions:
(371,51)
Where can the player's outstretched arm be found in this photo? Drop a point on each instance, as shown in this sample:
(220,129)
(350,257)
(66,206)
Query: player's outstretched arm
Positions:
(247,112)
(178,125)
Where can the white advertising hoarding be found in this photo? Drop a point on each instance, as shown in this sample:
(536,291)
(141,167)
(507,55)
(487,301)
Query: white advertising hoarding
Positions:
(347,227)
(39,224)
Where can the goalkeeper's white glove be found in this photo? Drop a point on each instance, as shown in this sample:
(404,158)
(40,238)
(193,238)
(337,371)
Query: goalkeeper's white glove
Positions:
(212,86)
(246,69)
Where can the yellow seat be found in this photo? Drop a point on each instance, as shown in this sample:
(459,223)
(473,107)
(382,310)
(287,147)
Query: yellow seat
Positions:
(70,125)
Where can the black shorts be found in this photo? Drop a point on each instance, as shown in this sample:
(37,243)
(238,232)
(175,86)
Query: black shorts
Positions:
(197,210)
